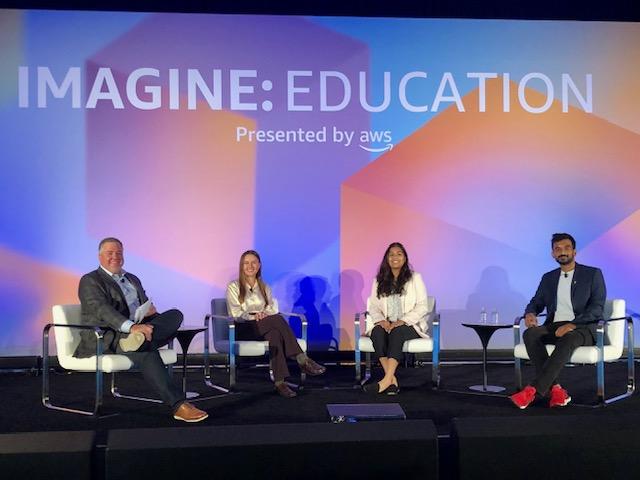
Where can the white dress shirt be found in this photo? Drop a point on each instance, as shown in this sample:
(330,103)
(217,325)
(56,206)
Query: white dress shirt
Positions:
(130,295)
(253,301)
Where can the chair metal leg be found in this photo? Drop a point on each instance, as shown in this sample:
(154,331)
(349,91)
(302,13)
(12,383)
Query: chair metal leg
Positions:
(232,370)
(116,393)
(631,382)
(46,383)
(435,354)
(207,366)
(305,337)
(358,359)
(517,363)
(600,365)
(232,355)
(367,371)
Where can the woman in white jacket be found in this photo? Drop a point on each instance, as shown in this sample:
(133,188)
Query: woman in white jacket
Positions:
(397,312)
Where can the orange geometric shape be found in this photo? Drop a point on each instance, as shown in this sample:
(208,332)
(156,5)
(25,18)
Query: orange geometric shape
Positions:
(148,171)
(31,288)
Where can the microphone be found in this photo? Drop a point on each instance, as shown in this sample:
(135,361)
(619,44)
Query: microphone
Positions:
(566,275)
(122,279)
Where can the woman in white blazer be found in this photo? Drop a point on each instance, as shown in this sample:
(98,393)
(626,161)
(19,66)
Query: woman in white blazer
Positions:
(397,312)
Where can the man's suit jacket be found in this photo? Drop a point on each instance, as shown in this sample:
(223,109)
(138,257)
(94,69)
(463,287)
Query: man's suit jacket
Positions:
(588,295)
(103,305)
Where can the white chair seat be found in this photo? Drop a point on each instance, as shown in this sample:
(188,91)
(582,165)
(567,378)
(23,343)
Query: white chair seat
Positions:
(415,345)
(612,340)
(252,348)
(430,344)
(110,363)
(587,355)
(67,340)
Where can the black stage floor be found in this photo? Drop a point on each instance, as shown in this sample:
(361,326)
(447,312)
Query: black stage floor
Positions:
(471,428)
(256,403)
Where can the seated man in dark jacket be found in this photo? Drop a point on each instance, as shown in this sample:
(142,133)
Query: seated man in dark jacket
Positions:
(110,298)
(574,297)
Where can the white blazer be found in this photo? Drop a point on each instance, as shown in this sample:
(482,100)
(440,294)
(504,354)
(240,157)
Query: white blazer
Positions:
(414,306)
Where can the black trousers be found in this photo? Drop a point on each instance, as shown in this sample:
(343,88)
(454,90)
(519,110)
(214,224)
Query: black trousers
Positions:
(390,344)
(148,360)
(547,366)
(282,341)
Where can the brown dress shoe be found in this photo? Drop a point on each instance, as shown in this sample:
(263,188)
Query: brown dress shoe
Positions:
(284,390)
(188,413)
(312,368)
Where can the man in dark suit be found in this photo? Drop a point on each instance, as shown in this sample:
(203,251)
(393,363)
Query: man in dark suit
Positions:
(109,297)
(574,297)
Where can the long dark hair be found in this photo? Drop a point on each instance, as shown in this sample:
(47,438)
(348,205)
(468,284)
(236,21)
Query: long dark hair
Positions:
(387,284)
(243,281)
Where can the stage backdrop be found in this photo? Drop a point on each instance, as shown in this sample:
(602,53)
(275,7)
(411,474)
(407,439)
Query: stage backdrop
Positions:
(316,141)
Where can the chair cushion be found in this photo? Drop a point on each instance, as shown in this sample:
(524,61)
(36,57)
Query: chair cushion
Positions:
(244,348)
(614,338)
(365,344)
(111,362)
(588,355)
(415,345)
(252,348)
(418,345)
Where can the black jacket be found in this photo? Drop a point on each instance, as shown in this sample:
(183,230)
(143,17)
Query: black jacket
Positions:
(588,295)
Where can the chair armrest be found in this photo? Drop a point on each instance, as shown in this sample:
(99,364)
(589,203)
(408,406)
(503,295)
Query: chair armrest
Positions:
(301,316)
(98,332)
(230,320)
(435,329)
(356,325)
(303,320)
(516,328)
(629,319)
(48,327)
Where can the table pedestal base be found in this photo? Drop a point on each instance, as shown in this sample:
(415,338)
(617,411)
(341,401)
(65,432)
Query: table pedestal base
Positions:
(488,388)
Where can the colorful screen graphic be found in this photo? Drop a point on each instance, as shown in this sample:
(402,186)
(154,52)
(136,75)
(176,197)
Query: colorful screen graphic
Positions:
(317,141)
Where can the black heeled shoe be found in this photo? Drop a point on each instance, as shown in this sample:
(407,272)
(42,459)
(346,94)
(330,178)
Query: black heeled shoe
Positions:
(392,390)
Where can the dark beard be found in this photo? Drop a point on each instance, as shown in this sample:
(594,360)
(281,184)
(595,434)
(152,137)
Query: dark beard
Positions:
(565,259)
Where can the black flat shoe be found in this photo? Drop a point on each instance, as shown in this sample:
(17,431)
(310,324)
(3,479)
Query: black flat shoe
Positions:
(392,390)
(371,388)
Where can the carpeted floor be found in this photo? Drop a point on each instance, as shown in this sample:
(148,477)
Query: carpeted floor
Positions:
(256,403)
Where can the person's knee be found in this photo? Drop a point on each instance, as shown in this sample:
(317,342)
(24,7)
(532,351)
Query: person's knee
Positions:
(396,337)
(533,334)
(174,316)
(396,334)
(378,332)
(570,340)
(274,337)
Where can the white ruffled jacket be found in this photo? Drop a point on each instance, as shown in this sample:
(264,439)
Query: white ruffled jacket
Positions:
(414,306)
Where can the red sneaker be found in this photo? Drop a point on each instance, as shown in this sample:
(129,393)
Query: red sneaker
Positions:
(524,397)
(559,396)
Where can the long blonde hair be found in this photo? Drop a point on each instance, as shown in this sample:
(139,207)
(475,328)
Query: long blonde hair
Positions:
(243,281)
